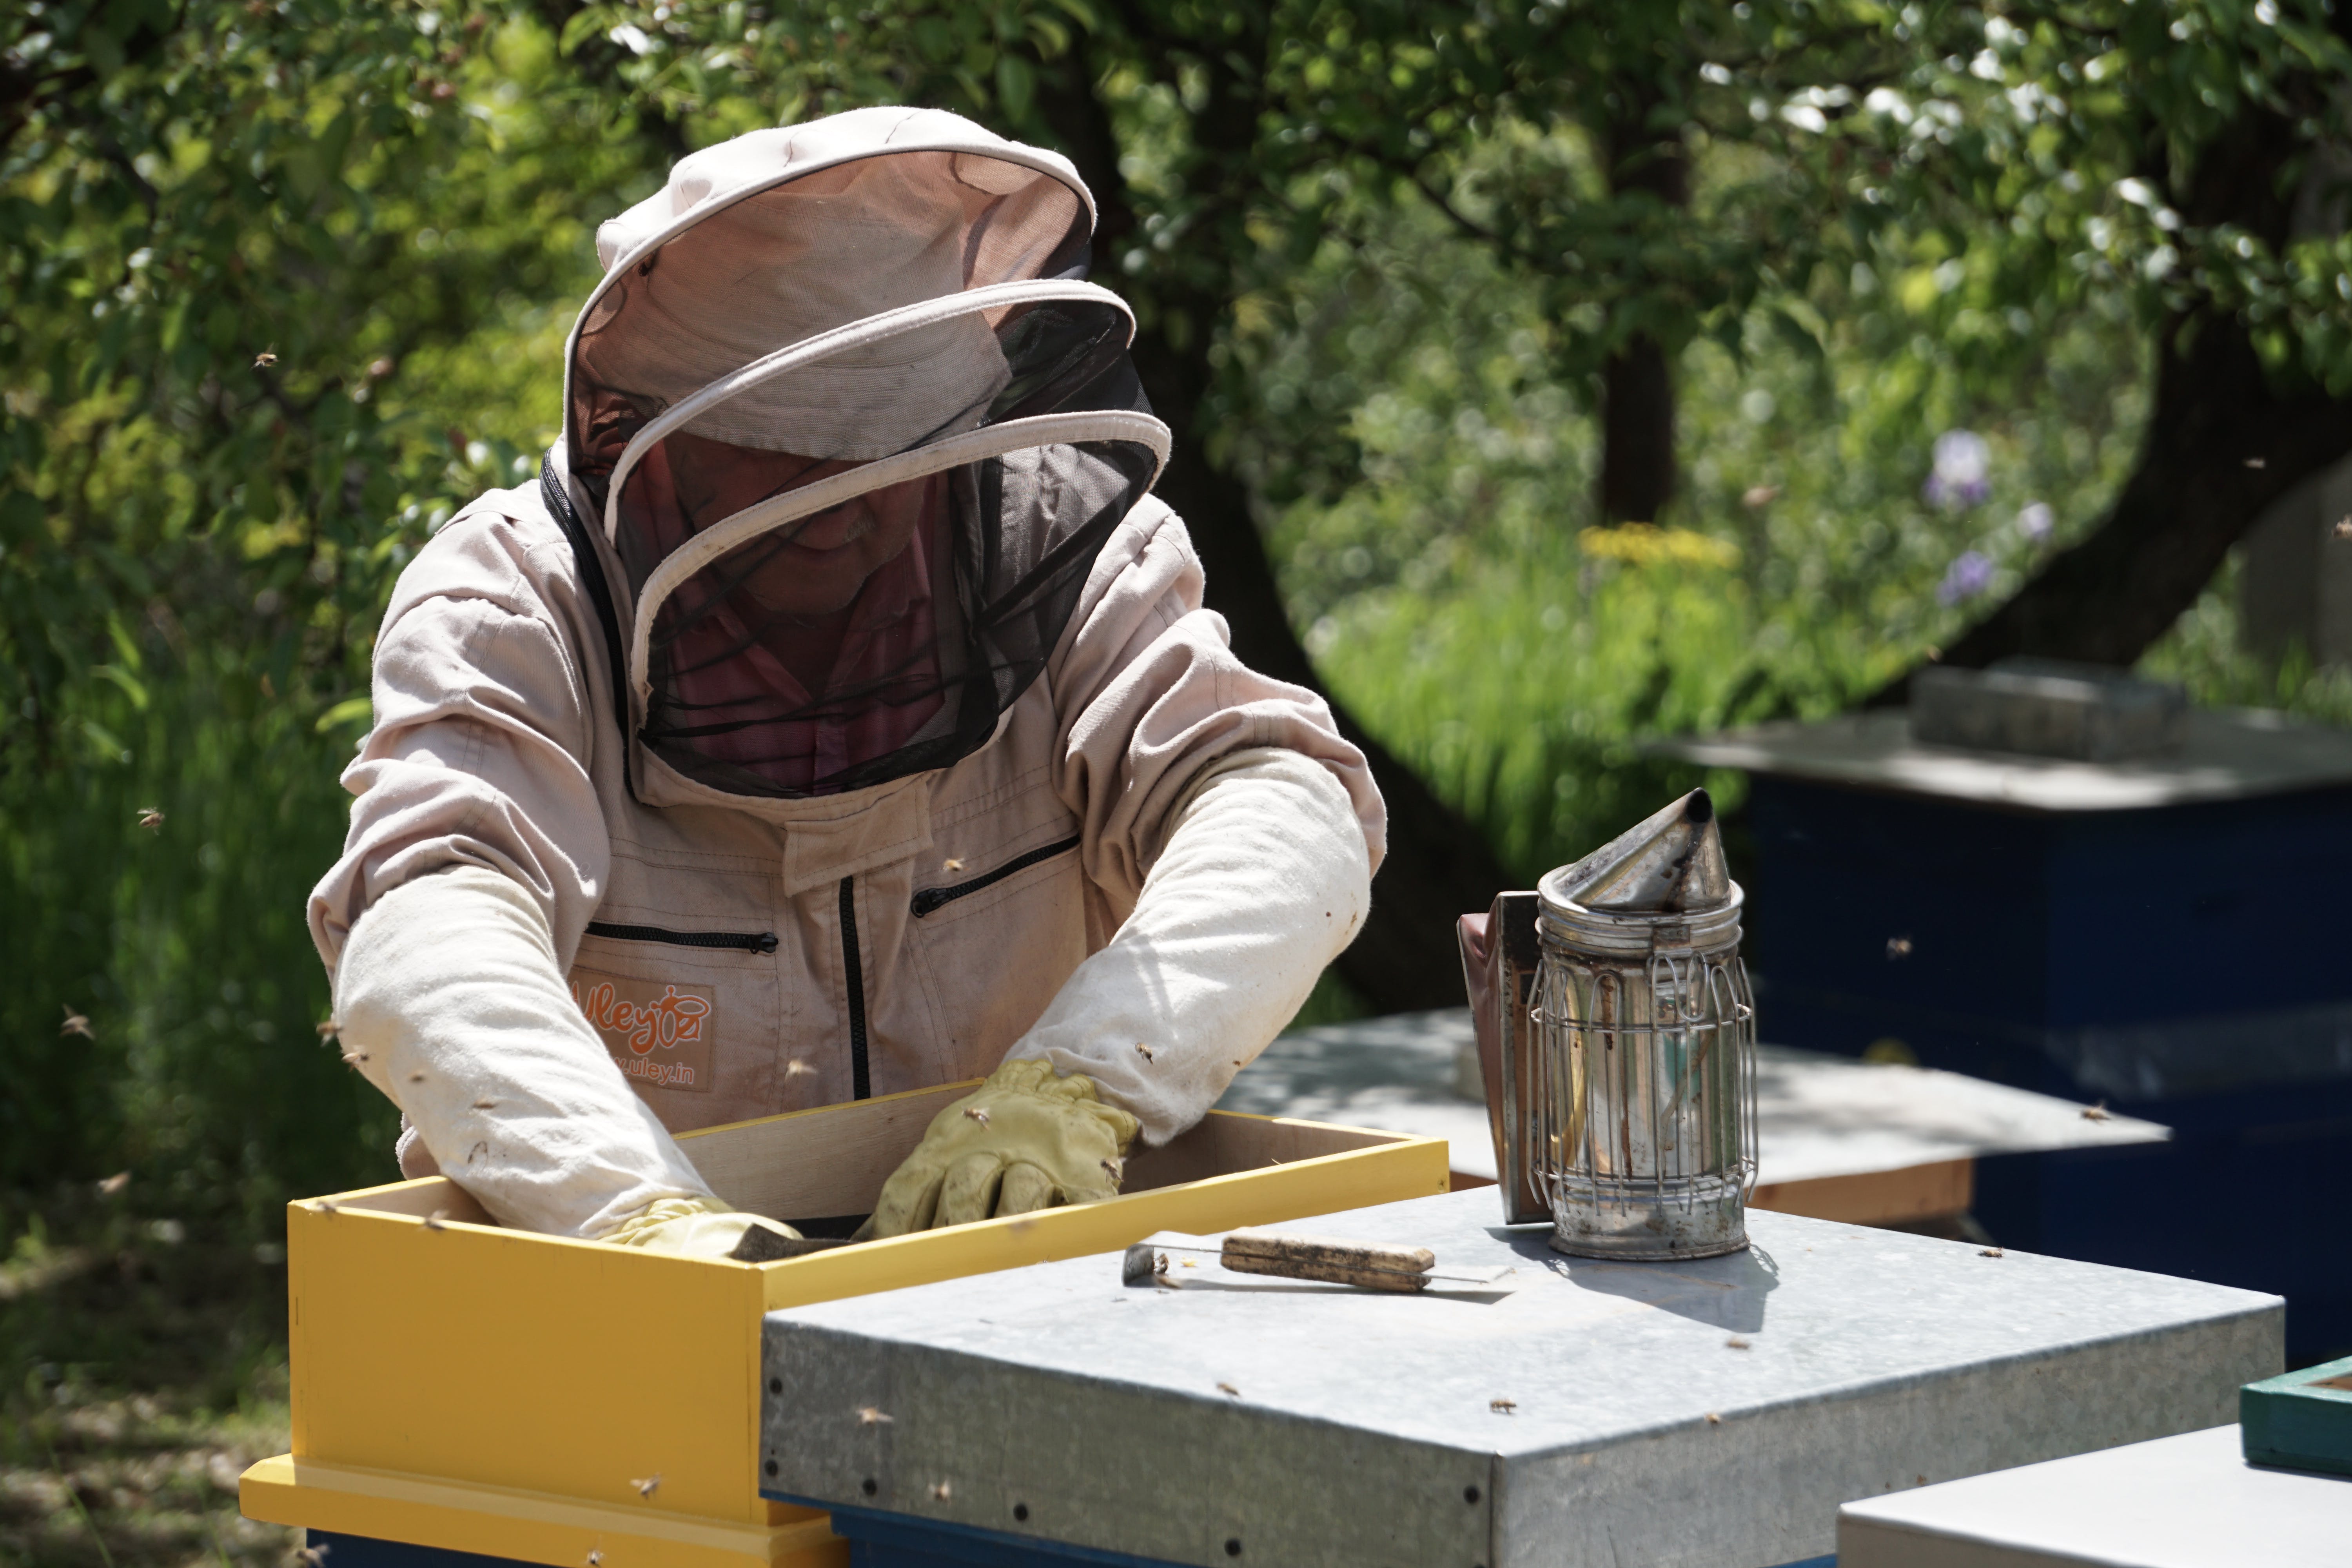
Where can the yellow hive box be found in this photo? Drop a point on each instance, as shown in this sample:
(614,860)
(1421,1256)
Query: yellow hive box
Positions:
(459,1385)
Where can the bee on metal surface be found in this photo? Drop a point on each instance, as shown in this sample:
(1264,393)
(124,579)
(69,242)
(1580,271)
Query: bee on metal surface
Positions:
(416,1077)
(150,819)
(1988,1252)
(869,1416)
(952,865)
(329,1205)
(1502,1406)
(115,1184)
(353,1058)
(648,1485)
(265,359)
(2096,1112)
(437,1220)
(977,1114)
(485,1105)
(74,1024)
(1229,1388)
(1143,1050)
(594,1558)
(942,1491)
(798,1068)
(1713,1419)
(1736,1344)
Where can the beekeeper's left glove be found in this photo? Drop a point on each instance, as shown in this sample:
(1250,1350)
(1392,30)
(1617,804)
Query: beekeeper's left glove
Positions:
(701,1227)
(1025,1139)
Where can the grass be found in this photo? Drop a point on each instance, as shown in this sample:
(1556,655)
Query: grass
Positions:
(149,1366)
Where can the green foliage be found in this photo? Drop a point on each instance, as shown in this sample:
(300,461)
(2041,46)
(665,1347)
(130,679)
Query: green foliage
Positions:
(276,293)
(283,282)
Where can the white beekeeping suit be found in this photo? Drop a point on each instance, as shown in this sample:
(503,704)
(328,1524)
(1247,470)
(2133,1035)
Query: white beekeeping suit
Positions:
(838,716)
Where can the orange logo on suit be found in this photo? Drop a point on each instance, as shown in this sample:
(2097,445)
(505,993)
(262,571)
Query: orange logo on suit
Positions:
(660,1040)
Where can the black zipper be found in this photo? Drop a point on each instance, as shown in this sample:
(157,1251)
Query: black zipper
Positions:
(747,941)
(932,899)
(853,980)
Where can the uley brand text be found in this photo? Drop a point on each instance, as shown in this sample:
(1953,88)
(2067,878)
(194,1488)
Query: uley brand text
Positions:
(664,1024)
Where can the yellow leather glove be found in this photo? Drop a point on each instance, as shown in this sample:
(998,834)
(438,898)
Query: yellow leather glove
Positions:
(699,1228)
(1025,1139)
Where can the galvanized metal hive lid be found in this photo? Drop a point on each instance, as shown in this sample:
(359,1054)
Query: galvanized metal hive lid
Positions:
(1670,864)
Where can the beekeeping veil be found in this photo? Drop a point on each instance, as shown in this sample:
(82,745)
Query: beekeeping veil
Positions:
(894,296)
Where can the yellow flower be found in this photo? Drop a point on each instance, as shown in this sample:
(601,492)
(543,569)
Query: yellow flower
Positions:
(1646,544)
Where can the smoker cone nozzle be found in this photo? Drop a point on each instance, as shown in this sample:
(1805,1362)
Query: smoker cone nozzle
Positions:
(1670,864)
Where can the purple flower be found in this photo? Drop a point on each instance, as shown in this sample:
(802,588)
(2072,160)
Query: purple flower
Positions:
(1969,576)
(1960,475)
(2036,521)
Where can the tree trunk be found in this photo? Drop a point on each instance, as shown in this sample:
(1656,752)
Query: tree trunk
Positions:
(2221,445)
(1637,381)
(2223,442)
(1438,865)
(1637,432)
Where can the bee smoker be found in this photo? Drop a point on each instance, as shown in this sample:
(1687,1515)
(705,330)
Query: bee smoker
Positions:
(1617,1034)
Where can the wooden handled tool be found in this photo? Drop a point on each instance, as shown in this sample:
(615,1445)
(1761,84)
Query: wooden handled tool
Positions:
(1371,1265)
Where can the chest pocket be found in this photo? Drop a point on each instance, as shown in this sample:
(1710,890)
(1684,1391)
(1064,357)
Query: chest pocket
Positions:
(687,1015)
(995,944)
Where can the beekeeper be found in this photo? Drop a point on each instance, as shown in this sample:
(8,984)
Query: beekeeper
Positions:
(837,716)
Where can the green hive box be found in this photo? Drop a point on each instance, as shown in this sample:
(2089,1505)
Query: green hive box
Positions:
(2301,1420)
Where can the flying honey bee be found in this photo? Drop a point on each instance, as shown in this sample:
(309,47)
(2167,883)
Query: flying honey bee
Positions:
(265,359)
(1117,1169)
(115,1184)
(798,1068)
(329,1028)
(867,1415)
(1713,1419)
(952,865)
(1143,1050)
(416,1077)
(353,1058)
(1228,1388)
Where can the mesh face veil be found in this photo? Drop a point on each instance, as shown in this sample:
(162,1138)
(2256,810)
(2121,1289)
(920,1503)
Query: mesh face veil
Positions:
(852,430)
